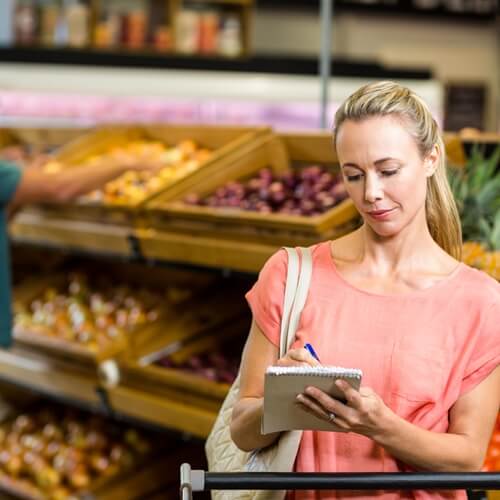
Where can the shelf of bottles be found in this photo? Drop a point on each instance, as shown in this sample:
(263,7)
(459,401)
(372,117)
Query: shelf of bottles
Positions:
(212,28)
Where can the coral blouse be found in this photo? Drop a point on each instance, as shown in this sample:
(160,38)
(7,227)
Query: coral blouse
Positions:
(420,351)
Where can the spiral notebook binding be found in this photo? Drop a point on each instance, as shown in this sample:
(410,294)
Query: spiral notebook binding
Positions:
(321,371)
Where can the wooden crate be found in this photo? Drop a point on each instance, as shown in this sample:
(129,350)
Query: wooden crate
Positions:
(132,275)
(187,391)
(172,398)
(184,386)
(53,138)
(223,140)
(278,153)
(157,469)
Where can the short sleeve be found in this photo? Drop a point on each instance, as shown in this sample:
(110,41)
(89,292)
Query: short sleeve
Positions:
(266,296)
(485,356)
(9,179)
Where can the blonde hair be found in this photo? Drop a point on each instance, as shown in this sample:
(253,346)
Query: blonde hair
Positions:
(389,98)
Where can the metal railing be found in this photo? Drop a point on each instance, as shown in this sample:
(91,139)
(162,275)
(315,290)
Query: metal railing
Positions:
(200,480)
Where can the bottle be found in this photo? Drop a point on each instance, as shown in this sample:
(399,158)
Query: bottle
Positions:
(209,32)
(187,31)
(137,25)
(25,23)
(163,38)
(230,37)
(77,17)
(49,15)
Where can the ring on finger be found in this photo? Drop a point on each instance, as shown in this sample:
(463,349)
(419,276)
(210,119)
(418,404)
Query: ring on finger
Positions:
(331,417)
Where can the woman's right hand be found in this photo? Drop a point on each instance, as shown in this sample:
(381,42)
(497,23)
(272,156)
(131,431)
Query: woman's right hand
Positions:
(297,357)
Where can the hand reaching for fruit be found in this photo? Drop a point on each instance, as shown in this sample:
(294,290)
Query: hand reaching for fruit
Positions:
(142,161)
(147,166)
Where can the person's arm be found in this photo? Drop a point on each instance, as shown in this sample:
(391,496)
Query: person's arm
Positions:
(461,449)
(259,353)
(37,186)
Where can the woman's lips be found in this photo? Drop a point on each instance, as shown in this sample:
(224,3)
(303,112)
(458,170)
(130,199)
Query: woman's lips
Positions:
(381,214)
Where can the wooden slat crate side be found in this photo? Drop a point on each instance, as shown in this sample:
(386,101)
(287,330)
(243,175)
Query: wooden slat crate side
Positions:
(6,138)
(53,376)
(205,250)
(184,416)
(179,382)
(315,147)
(207,136)
(69,234)
(95,141)
(54,138)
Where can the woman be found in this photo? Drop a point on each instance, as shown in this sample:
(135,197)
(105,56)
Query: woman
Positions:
(34,185)
(393,299)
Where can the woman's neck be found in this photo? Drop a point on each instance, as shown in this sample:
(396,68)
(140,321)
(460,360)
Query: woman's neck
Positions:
(413,248)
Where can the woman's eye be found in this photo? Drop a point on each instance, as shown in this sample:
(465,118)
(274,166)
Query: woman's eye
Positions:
(353,178)
(388,173)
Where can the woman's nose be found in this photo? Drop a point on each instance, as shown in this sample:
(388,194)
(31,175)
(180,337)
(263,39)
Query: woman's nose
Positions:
(373,189)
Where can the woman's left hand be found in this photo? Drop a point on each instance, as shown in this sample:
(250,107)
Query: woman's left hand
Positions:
(364,412)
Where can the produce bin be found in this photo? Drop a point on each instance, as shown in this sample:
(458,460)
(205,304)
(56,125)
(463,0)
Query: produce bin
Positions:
(221,141)
(154,296)
(57,453)
(282,154)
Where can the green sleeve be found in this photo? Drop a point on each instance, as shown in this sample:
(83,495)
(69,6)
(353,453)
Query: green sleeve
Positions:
(9,179)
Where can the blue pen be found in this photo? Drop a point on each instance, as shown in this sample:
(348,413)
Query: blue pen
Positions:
(312,352)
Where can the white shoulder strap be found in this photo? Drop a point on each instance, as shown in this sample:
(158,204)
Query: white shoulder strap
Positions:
(292,278)
(295,296)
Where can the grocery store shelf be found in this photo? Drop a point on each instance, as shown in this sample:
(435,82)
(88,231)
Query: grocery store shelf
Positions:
(209,251)
(393,8)
(162,411)
(50,377)
(69,234)
(70,382)
(273,64)
(176,247)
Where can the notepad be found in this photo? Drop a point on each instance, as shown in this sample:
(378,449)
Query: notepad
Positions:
(283,384)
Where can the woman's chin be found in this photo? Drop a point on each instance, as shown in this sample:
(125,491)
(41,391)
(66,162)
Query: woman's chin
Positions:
(383,230)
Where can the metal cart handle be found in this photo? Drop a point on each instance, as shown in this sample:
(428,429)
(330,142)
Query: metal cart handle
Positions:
(199,480)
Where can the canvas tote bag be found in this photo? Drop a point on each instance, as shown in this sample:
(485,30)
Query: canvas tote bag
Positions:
(222,454)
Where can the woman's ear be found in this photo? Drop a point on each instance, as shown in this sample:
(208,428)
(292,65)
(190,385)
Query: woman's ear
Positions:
(431,161)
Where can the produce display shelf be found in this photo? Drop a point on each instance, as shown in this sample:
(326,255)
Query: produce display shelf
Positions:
(212,251)
(72,235)
(59,381)
(56,378)
(269,156)
(206,251)
(156,397)
(158,410)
